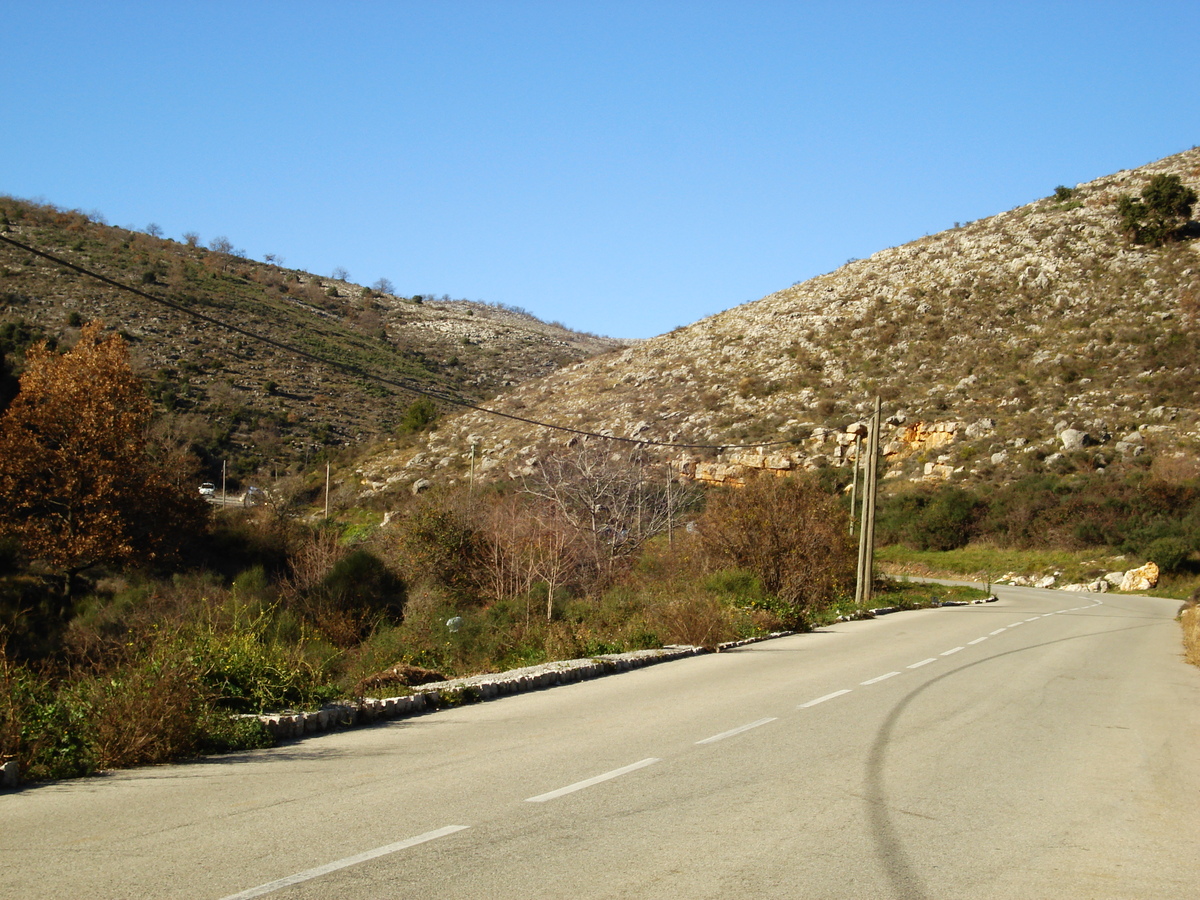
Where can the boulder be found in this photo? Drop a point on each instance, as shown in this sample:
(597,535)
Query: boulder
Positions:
(982,428)
(1074,439)
(1140,579)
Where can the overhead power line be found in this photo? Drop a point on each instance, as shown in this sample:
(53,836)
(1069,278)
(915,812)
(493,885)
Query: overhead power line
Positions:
(357,371)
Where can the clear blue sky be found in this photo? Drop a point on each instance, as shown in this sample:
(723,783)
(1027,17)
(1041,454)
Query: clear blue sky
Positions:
(621,167)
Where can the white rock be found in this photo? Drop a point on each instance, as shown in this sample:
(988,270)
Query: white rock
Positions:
(1073,439)
(1140,579)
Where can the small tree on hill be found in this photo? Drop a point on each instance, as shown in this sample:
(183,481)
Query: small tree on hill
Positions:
(79,483)
(1160,214)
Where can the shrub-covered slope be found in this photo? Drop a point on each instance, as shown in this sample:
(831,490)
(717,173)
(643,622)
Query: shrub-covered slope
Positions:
(258,398)
(997,347)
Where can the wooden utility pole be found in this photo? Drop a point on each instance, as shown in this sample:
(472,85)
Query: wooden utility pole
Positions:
(866,534)
(858,445)
(670,523)
(326,492)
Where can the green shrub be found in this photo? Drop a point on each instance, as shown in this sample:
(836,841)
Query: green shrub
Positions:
(421,415)
(1169,553)
(1160,214)
(941,519)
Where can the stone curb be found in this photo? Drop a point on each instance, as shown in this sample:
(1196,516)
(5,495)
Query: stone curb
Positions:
(472,689)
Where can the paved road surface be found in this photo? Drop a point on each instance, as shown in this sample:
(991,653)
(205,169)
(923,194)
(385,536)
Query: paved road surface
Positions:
(1042,746)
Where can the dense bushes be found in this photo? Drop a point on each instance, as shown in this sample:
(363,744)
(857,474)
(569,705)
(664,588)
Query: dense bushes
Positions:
(929,519)
(1140,515)
(789,533)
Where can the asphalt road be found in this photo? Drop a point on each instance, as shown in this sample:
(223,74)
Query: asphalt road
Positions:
(1042,746)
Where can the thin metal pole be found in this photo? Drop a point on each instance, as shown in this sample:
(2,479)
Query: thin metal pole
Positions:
(326,492)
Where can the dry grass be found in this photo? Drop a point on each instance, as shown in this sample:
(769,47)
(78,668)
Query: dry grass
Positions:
(1190,620)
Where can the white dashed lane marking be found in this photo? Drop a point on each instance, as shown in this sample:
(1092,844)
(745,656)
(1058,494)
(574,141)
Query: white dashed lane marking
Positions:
(923,662)
(823,699)
(732,731)
(948,652)
(587,783)
(309,874)
(879,678)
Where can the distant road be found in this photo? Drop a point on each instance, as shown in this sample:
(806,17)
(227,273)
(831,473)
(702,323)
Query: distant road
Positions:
(1040,747)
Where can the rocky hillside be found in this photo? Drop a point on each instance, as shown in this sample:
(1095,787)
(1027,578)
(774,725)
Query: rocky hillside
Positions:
(1037,338)
(245,395)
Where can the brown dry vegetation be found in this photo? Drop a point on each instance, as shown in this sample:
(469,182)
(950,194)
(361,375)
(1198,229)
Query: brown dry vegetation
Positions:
(1190,620)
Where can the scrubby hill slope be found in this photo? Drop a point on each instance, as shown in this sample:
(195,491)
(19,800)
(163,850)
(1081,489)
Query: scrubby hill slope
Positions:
(1037,337)
(250,397)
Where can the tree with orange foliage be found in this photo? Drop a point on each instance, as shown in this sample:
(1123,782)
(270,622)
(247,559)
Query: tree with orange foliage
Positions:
(79,485)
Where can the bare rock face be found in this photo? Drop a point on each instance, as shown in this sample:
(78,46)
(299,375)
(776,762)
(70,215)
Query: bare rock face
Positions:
(1140,579)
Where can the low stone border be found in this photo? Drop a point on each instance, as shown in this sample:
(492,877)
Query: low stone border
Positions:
(473,689)
(887,610)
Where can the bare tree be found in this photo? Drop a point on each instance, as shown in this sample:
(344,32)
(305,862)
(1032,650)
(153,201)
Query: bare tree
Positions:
(614,501)
(339,274)
(384,286)
(154,230)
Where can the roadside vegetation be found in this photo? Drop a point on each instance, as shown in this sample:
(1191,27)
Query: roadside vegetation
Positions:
(140,625)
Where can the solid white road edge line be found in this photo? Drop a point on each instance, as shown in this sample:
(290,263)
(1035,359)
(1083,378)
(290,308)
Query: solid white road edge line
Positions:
(878,679)
(580,785)
(732,731)
(310,874)
(822,699)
